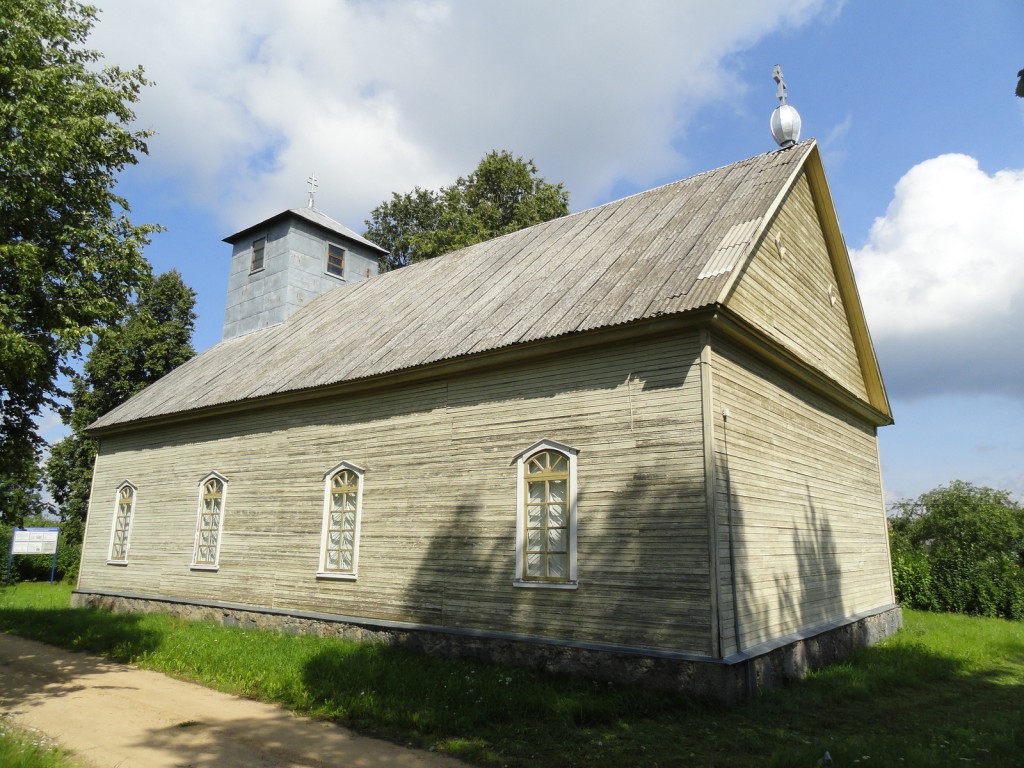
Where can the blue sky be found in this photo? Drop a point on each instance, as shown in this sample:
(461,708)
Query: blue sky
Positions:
(912,103)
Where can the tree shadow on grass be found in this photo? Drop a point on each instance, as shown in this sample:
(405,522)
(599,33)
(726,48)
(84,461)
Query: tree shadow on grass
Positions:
(475,709)
(117,636)
(901,704)
(903,698)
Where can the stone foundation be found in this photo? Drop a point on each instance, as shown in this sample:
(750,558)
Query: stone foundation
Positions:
(730,679)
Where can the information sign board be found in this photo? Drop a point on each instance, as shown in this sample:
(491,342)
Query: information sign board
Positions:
(34,541)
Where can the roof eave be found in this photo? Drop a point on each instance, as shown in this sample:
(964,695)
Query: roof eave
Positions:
(244,233)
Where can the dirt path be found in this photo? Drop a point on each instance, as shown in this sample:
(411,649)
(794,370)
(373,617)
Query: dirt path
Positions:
(114,715)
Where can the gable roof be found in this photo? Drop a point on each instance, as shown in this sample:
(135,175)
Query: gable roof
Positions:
(666,251)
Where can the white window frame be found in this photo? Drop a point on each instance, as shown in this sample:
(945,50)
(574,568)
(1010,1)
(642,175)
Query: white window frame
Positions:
(322,572)
(215,565)
(327,260)
(111,560)
(520,580)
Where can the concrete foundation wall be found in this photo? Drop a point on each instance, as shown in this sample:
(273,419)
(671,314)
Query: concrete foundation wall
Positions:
(726,680)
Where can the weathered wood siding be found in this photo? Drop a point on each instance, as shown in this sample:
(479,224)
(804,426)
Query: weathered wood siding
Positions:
(439,507)
(787,294)
(802,536)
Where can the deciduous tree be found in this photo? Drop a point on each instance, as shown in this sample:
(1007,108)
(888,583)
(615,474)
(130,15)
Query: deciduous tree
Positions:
(960,548)
(155,339)
(502,195)
(70,258)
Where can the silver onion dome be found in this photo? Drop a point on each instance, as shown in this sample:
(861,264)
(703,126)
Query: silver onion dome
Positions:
(785,122)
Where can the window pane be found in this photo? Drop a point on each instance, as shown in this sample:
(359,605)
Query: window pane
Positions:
(257,254)
(536,492)
(535,515)
(535,540)
(557,566)
(346,560)
(556,540)
(534,565)
(558,463)
(350,520)
(556,515)
(336,260)
(557,490)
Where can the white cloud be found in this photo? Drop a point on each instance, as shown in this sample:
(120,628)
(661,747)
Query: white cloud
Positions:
(251,96)
(941,279)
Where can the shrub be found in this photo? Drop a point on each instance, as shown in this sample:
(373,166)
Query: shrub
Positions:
(960,548)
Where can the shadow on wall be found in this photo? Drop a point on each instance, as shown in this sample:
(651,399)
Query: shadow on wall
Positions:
(642,565)
(781,568)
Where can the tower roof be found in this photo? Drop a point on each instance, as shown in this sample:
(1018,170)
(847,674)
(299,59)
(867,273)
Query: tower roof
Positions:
(313,216)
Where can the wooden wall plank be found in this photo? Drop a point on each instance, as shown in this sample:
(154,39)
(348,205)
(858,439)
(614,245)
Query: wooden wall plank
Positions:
(437,541)
(799,481)
(787,296)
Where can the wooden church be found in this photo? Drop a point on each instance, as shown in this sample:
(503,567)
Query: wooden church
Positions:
(636,442)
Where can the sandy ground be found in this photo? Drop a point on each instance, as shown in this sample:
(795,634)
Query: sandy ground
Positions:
(113,715)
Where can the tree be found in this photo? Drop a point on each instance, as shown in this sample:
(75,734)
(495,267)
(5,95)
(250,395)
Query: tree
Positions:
(502,195)
(70,258)
(960,548)
(153,340)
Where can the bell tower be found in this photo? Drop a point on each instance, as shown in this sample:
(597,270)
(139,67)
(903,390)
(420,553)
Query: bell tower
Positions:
(286,261)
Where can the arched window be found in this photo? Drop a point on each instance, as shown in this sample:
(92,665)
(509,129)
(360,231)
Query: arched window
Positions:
(339,539)
(120,533)
(546,519)
(213,491)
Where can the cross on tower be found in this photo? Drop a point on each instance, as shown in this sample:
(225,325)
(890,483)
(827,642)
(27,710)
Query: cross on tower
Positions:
(777,77)
(312,189)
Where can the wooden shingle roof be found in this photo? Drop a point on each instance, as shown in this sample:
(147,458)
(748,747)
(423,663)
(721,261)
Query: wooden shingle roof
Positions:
(666,251)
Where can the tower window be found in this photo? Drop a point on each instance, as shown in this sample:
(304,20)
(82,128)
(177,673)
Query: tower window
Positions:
(257,254)
(336,260)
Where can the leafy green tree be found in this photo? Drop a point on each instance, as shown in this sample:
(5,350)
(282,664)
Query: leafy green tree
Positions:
(502,195)
(70,258)
(960,548)
(155,339)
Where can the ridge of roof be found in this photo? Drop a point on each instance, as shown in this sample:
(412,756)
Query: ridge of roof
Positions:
(637,258)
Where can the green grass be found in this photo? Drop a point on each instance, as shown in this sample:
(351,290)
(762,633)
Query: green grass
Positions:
(21,749)
(946,691)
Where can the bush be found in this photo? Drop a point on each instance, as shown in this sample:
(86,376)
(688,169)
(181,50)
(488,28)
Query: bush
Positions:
(960,548)
(912,576)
